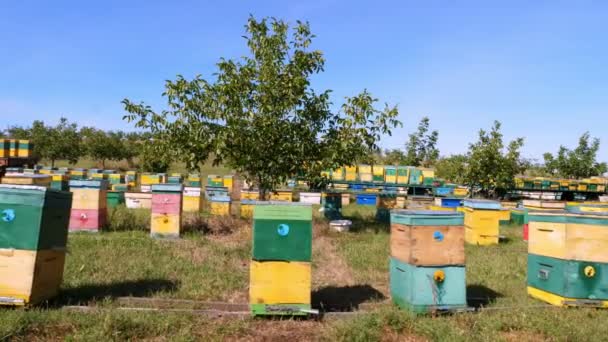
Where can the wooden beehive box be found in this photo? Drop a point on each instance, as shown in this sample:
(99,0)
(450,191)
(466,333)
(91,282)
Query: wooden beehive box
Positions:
(166,210)
(89,205)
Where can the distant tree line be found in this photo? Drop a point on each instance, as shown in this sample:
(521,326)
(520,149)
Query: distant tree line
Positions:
(68,141)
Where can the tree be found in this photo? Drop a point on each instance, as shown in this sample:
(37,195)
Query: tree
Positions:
(491,167)
(102,146)
(260,115)
(421,147)
(394,157)
(62,142)
(578,163)
(452,168)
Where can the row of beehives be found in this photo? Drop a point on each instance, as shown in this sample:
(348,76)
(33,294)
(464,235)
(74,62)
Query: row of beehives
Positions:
(593,184)
(15,148)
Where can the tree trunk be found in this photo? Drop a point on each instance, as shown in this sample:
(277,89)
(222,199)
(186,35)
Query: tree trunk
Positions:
(103,163)
(52,163)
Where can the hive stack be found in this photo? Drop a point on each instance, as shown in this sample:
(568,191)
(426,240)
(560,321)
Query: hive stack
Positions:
(59,182)
(194,179)
(365,173)
(427,264)
(567,259)
(228,182)
(5,148)
(213,180)
(78,174)
(415,176)
(338,174)
(280,270)
(390,174)
(482,221)
(21,179)
(192,199)
(131,179)
(332,205)
(248,201)
(220,205)
(175,178)
(385,203)
(378,174)
(89,205)
(138,200)
(149,179)
(350,173)
(115,198)
(403,174)
(34,226)
(166,210)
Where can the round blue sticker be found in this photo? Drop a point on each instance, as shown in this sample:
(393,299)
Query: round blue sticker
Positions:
(8,215)
(438,236)
(283,229)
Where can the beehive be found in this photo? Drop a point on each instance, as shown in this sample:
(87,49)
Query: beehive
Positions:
(115,198)
(350,173)
(567,261)
(390,174)
(89,205)
(13,148)
(247,208)
(250,195)
(310,197)
(23,148)
(5,148)
(59,182)
(215,191)
(366,199)
(194,179)
(403,175)
(415,177)
(120,187)
(332,205)
(33,226)
(345,199)
(482,220)
(427,271)
(192,199)
(166,218)
(378,174)
(18,179)
(138,200)
(385,202)
(228,182)
(213,180)
(365,173)
(281,195)
(115,178)
(150,178)
(131,178)
(588,208)
(220,206)
(544,204)
(78,174)
(280,270)
(461,191)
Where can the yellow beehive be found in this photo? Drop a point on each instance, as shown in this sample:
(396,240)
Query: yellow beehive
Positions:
(45,171)
(89,198)
(23,149)
(372,190)
(59,178)
(38,180)
(337,174)
(350,173)
(247,209)
(279,282)
(191,199)
(30,276)
(250,195)
(149,179)
(13,149)
(219,208)
(99,176)
(461,192)
(165,224)
(428,173)
(482,226)
(282,195)
(4,148)
(582,186)
(228,181)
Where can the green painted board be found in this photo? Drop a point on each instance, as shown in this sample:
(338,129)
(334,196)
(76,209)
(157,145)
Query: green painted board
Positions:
(280,309)
(568,278)
(590,218)
(115,198)
(34,219)
(332,206)
(413,288)
(280,211)
(427,217)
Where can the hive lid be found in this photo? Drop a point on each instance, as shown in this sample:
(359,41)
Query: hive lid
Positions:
(24,187)
(427,217)
(276,210)
(224,199)
(89,183)
(482,204)
(167,187)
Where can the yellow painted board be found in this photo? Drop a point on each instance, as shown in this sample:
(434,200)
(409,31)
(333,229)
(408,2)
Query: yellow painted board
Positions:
(428,173)
(350,177)
(191,204)
(83,198)
(30,277)
(59,178)
(25,180)
(350,169)
(286,196)
(547,239)
(440,208)
(471,236)
(150,179)
(460,191)
(365,177)
(165,224)
(365,169)
(484,222)
(556,300)
(504,215)
(378,170)
(279,282)
(391,179)
(219,208)
(250,195)
(570,241)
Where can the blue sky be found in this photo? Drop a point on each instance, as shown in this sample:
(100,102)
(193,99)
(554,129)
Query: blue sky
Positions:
(539,67)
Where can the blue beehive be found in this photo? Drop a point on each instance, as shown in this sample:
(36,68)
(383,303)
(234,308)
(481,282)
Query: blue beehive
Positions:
(366,199)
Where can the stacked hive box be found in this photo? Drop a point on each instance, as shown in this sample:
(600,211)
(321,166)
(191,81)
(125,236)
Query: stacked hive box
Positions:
(248,201)
(89,205)
(194,179)
(366,199)
(378,174)
(588,208)
(166,210)
(338,174)
(427,271)
(282,195)
(5,148)
(220,206)
(192,199)
(138,200)
(332,205)
(482,220)
(59,182)
(415,177)
(228,182)
(403,174)
(38,180)
(115,198)
(365,173)
(428,176)
(23,148)
(385,203)
(350,173)
(280,270)
(13,148)
(390,174)
(310,197)
(131,178)
(175,178)
(149,179)
(544,204)
(33,236)
(213,180)
(567,259)
(120,187)
(78,174)
(115,178)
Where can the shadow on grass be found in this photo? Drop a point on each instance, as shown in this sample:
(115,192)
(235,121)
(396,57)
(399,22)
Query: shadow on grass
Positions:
(93,292)
(344,298)
(366,223)
(480,296)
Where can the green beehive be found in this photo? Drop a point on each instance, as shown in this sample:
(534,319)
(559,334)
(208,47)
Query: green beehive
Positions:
(282,231)
(115,198)
(415,177)
(332,205)
(33,218)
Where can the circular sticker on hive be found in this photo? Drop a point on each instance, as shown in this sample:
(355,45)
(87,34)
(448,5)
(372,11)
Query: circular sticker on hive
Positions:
(589,271)
(438,236)
(8,215)
(283,229)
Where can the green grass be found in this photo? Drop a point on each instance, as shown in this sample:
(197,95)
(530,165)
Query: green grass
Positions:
(126,262)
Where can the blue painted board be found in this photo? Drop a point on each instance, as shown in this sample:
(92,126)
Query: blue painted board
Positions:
(451,202)
(427,217)
(366,199)
(482,204)
(89,183)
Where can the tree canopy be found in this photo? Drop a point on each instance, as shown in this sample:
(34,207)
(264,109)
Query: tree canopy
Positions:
(580,162)
(260,114)
(421,148)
